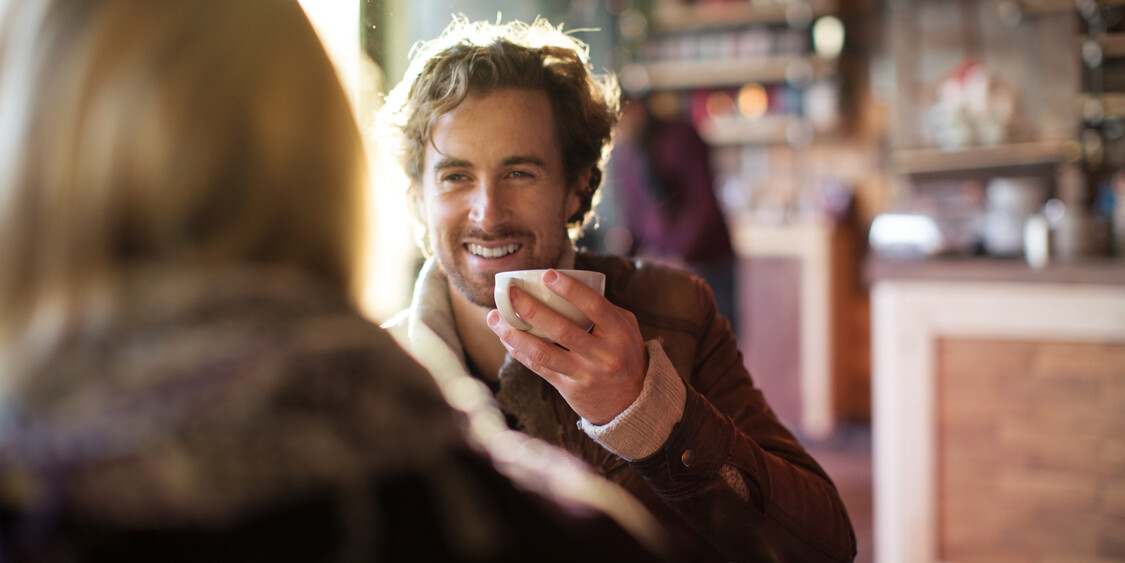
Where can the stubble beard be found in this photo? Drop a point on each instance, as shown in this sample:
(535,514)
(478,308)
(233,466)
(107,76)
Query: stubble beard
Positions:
(478,286)
(478,291)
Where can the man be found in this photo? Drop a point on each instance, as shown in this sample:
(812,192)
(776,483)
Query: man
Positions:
(504,132)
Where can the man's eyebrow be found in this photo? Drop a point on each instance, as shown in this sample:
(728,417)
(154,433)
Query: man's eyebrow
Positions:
(450,162)
(525,159)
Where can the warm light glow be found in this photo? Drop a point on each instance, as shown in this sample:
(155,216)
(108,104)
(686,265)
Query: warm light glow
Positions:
(664,106)
(828,37)
(719,104)
(753,100)
(388,270)
(337,24)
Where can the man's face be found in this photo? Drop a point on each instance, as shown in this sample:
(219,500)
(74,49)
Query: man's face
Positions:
(494,192)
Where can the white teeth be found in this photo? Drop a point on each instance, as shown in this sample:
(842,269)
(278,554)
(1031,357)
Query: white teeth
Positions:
(502,251)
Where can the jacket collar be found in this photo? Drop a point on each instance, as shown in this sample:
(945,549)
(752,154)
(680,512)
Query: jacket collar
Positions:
(431,314)
(432,337)
(428,331)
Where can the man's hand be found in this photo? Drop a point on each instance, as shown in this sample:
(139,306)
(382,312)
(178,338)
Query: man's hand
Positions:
(599,373)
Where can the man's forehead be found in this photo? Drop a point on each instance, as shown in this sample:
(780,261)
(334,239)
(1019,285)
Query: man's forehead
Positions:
(509,126)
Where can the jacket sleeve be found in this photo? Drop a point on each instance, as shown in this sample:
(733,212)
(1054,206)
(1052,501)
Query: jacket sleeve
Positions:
(736,473)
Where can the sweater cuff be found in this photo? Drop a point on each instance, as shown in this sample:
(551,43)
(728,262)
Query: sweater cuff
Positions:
(643,428)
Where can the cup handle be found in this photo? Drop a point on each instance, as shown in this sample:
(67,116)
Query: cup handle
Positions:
(504,305)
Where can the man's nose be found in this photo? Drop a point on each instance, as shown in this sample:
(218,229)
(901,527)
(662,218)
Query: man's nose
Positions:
(489,208)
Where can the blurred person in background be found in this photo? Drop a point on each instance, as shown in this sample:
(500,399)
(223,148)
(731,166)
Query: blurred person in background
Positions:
(504,133)
(184,374)
(666,195)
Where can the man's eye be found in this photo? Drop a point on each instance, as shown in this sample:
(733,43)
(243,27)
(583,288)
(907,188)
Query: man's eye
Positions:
(521,174)
(454,178)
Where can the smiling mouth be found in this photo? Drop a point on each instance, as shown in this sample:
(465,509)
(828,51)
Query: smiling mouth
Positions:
(498,252)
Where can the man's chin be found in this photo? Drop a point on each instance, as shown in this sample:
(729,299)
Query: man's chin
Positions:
(478,293)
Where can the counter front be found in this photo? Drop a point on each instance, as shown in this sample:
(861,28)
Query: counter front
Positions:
(998,397)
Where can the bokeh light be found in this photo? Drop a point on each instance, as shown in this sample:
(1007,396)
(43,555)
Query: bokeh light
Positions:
(753,101)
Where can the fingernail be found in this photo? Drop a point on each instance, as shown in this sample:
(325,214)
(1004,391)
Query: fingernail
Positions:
(550,277)
(493,318)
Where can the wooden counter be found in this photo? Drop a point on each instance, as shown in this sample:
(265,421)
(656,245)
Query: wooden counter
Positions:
(792,263)
(1106,271)
(998,411)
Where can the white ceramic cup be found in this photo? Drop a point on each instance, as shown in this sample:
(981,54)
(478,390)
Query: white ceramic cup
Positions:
(531,281)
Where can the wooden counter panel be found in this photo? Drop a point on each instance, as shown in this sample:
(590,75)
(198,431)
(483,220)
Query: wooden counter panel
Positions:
(1030,450)
(1097,271)
(770,332)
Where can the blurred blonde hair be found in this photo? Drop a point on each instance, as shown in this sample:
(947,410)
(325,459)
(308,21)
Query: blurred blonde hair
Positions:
(164,135)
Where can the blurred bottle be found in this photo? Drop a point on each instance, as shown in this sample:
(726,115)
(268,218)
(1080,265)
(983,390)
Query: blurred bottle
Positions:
(1009,203)
(1117,184)
(1076,231)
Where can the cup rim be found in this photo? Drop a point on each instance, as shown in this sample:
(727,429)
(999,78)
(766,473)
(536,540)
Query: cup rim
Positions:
(539,270)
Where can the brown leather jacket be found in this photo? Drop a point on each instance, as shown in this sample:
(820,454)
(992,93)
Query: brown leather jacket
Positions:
(731,483)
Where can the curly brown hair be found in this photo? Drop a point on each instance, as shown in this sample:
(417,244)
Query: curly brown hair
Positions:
(482,57)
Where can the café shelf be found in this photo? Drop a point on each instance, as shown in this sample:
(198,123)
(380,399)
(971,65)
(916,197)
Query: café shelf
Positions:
(682,75)
(1113,105)
(669,17)
(1010,155)
(738,130)
(1055,6)
(1113,44)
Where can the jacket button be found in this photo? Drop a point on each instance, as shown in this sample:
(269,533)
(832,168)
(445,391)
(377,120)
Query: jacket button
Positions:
(687,458)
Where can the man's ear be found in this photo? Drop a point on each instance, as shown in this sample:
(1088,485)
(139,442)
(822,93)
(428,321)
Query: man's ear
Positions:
(577,193)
